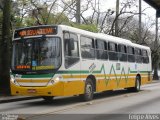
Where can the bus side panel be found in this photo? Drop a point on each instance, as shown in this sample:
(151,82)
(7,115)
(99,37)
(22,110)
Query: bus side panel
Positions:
(146,78)
(73,87)
(103,85)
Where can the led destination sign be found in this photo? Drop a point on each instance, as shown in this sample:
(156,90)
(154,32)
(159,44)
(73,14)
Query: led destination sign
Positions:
(47,30)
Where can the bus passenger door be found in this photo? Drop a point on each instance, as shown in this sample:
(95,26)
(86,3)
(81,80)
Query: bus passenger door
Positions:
(73,84)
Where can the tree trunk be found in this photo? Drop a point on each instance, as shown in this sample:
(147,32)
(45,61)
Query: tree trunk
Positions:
(117,21)
(78,11)
(156,66)
(140,21)
(5,49)
(155,75)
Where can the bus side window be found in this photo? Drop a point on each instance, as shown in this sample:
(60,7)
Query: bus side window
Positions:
(87,48)
(101,49)
(122,52)
(113,51)
(71,50)
(138,54)
(145,56)
(131,54)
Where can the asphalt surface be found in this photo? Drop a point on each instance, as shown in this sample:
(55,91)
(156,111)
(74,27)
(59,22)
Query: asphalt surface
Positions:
(115,105)
(7,99)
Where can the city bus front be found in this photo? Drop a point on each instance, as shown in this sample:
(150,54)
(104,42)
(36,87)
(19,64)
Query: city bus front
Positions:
(36,58)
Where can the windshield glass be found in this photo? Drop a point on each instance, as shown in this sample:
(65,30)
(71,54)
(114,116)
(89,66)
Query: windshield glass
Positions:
(36,54)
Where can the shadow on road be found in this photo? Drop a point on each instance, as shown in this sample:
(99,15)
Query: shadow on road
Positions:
(61,101)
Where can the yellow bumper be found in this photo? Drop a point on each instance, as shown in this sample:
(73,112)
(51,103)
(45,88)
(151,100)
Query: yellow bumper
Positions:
(58,89)
(52,90)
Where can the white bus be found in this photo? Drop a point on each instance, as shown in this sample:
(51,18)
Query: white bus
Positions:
(60,60)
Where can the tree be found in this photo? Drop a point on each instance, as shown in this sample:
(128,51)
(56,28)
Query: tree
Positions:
(0,38)
(89,27)
(5,48)
(78,11)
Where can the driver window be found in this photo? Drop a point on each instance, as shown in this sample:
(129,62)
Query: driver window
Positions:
(50,52)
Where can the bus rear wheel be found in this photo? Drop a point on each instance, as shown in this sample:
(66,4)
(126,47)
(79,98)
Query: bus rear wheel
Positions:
(48,98)
(137,86)
(88,91)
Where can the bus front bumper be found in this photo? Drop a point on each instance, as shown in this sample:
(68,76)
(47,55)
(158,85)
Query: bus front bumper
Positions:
(52,90)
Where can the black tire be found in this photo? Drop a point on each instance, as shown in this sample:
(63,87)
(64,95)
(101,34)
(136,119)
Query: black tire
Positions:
(88,91)
(137,86)
(48,98)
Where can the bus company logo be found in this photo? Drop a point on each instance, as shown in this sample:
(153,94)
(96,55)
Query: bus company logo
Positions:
(92,67)
(118,66)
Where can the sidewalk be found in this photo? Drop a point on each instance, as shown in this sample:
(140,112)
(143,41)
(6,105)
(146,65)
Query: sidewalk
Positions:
(155,81)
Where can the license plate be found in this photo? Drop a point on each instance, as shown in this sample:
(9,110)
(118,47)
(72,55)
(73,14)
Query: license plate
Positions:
(32,91)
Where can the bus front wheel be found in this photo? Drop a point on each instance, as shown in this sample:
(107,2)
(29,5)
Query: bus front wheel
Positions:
(88,91)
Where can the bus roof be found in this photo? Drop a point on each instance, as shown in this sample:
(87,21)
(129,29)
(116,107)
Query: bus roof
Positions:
(141,46)
(92,34)
(95,35)
(102,36)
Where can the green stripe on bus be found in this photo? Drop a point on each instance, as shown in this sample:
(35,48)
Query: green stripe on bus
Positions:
(38,76)
(73,72)
(139,71)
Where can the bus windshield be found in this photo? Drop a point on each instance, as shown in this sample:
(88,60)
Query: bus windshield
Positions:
(34,54)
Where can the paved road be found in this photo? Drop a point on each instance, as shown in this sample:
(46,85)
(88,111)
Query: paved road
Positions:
(110,105)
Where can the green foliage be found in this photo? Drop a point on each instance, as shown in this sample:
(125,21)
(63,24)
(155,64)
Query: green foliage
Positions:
(27,13)
(29,21)
(17,22)
(0,14)
(88,27)
(60,18)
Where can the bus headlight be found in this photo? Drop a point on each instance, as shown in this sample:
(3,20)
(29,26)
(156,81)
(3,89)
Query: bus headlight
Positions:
(55,79)
(13,80)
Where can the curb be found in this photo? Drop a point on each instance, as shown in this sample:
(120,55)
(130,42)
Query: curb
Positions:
(14,99)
